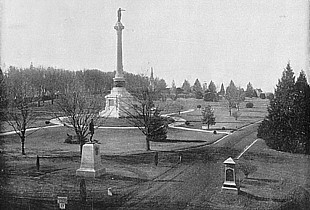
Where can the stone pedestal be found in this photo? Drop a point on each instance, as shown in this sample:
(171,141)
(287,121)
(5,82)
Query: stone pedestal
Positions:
(90,161)
(230,176)
(118,104)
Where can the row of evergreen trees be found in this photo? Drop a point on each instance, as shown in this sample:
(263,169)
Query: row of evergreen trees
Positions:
(287,126)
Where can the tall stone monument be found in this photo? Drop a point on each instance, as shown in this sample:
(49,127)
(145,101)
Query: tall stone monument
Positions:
(119,101)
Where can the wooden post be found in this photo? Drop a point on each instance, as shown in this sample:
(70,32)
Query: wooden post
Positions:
(83,192)
(38,163)
(156,158)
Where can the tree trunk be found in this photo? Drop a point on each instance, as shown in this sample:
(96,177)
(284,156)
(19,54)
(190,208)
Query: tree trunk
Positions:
(23,144)
(147,144)
(208,126)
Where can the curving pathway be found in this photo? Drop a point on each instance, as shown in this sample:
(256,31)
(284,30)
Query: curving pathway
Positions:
(178,121)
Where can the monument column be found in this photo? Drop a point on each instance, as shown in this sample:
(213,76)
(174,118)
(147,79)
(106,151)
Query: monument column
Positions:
(119,101)
(119,80)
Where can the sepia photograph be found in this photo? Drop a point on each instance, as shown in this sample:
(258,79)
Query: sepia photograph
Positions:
(155,104)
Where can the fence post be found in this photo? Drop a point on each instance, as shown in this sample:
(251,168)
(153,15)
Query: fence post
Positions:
(83,192)
(38,163)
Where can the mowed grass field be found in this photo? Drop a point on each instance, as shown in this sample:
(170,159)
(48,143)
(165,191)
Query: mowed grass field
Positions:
(48,141)
(222,117)
(276,173)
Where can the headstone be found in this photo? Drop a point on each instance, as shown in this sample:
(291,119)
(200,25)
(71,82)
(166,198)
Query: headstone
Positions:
(230,176)
(90,161)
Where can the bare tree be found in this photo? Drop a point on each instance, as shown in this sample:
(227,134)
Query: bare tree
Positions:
(78,108)
(143,113)
(20,113)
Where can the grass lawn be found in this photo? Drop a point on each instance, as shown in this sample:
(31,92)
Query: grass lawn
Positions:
(274,175)
(51,141)
(222,118)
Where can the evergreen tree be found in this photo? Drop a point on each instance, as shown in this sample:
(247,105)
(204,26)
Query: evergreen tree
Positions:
(249,90)
(186,87)
(231,96)
(286,126)
(212,87)
(222,91)
(302,112)
(197,86)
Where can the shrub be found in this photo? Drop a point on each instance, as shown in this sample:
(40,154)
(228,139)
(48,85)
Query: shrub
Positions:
(198,95)
(199,106)
(246,168)
(236,115)
(249,105)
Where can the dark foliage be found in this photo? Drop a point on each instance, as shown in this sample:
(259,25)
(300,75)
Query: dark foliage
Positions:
(249,91)
(286,127)
(249,105)
(209,96)
(198,95)
(208,116)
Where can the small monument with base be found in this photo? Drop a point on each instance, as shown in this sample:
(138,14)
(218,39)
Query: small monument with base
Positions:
(90,161)
(230,176)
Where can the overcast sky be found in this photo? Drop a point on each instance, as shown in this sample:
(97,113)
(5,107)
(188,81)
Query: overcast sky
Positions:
(219,40)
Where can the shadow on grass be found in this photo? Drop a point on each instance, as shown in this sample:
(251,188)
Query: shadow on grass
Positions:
(178,141)
(260,198)
(264,180)
(270,158)
(122,178)
(201,154)
(170,180)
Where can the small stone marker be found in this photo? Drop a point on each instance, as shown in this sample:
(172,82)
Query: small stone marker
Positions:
(230,175)
(62,201)
(180,157)
(110,191)
(90,161)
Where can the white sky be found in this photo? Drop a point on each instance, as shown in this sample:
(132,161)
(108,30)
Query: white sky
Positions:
(219,40)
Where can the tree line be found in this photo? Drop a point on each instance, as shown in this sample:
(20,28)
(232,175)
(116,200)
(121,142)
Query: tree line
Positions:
(78,95)
(47,83)
(210,92)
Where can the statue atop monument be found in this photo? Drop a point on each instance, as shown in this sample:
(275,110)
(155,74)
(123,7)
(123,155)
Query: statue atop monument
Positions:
(119,14)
